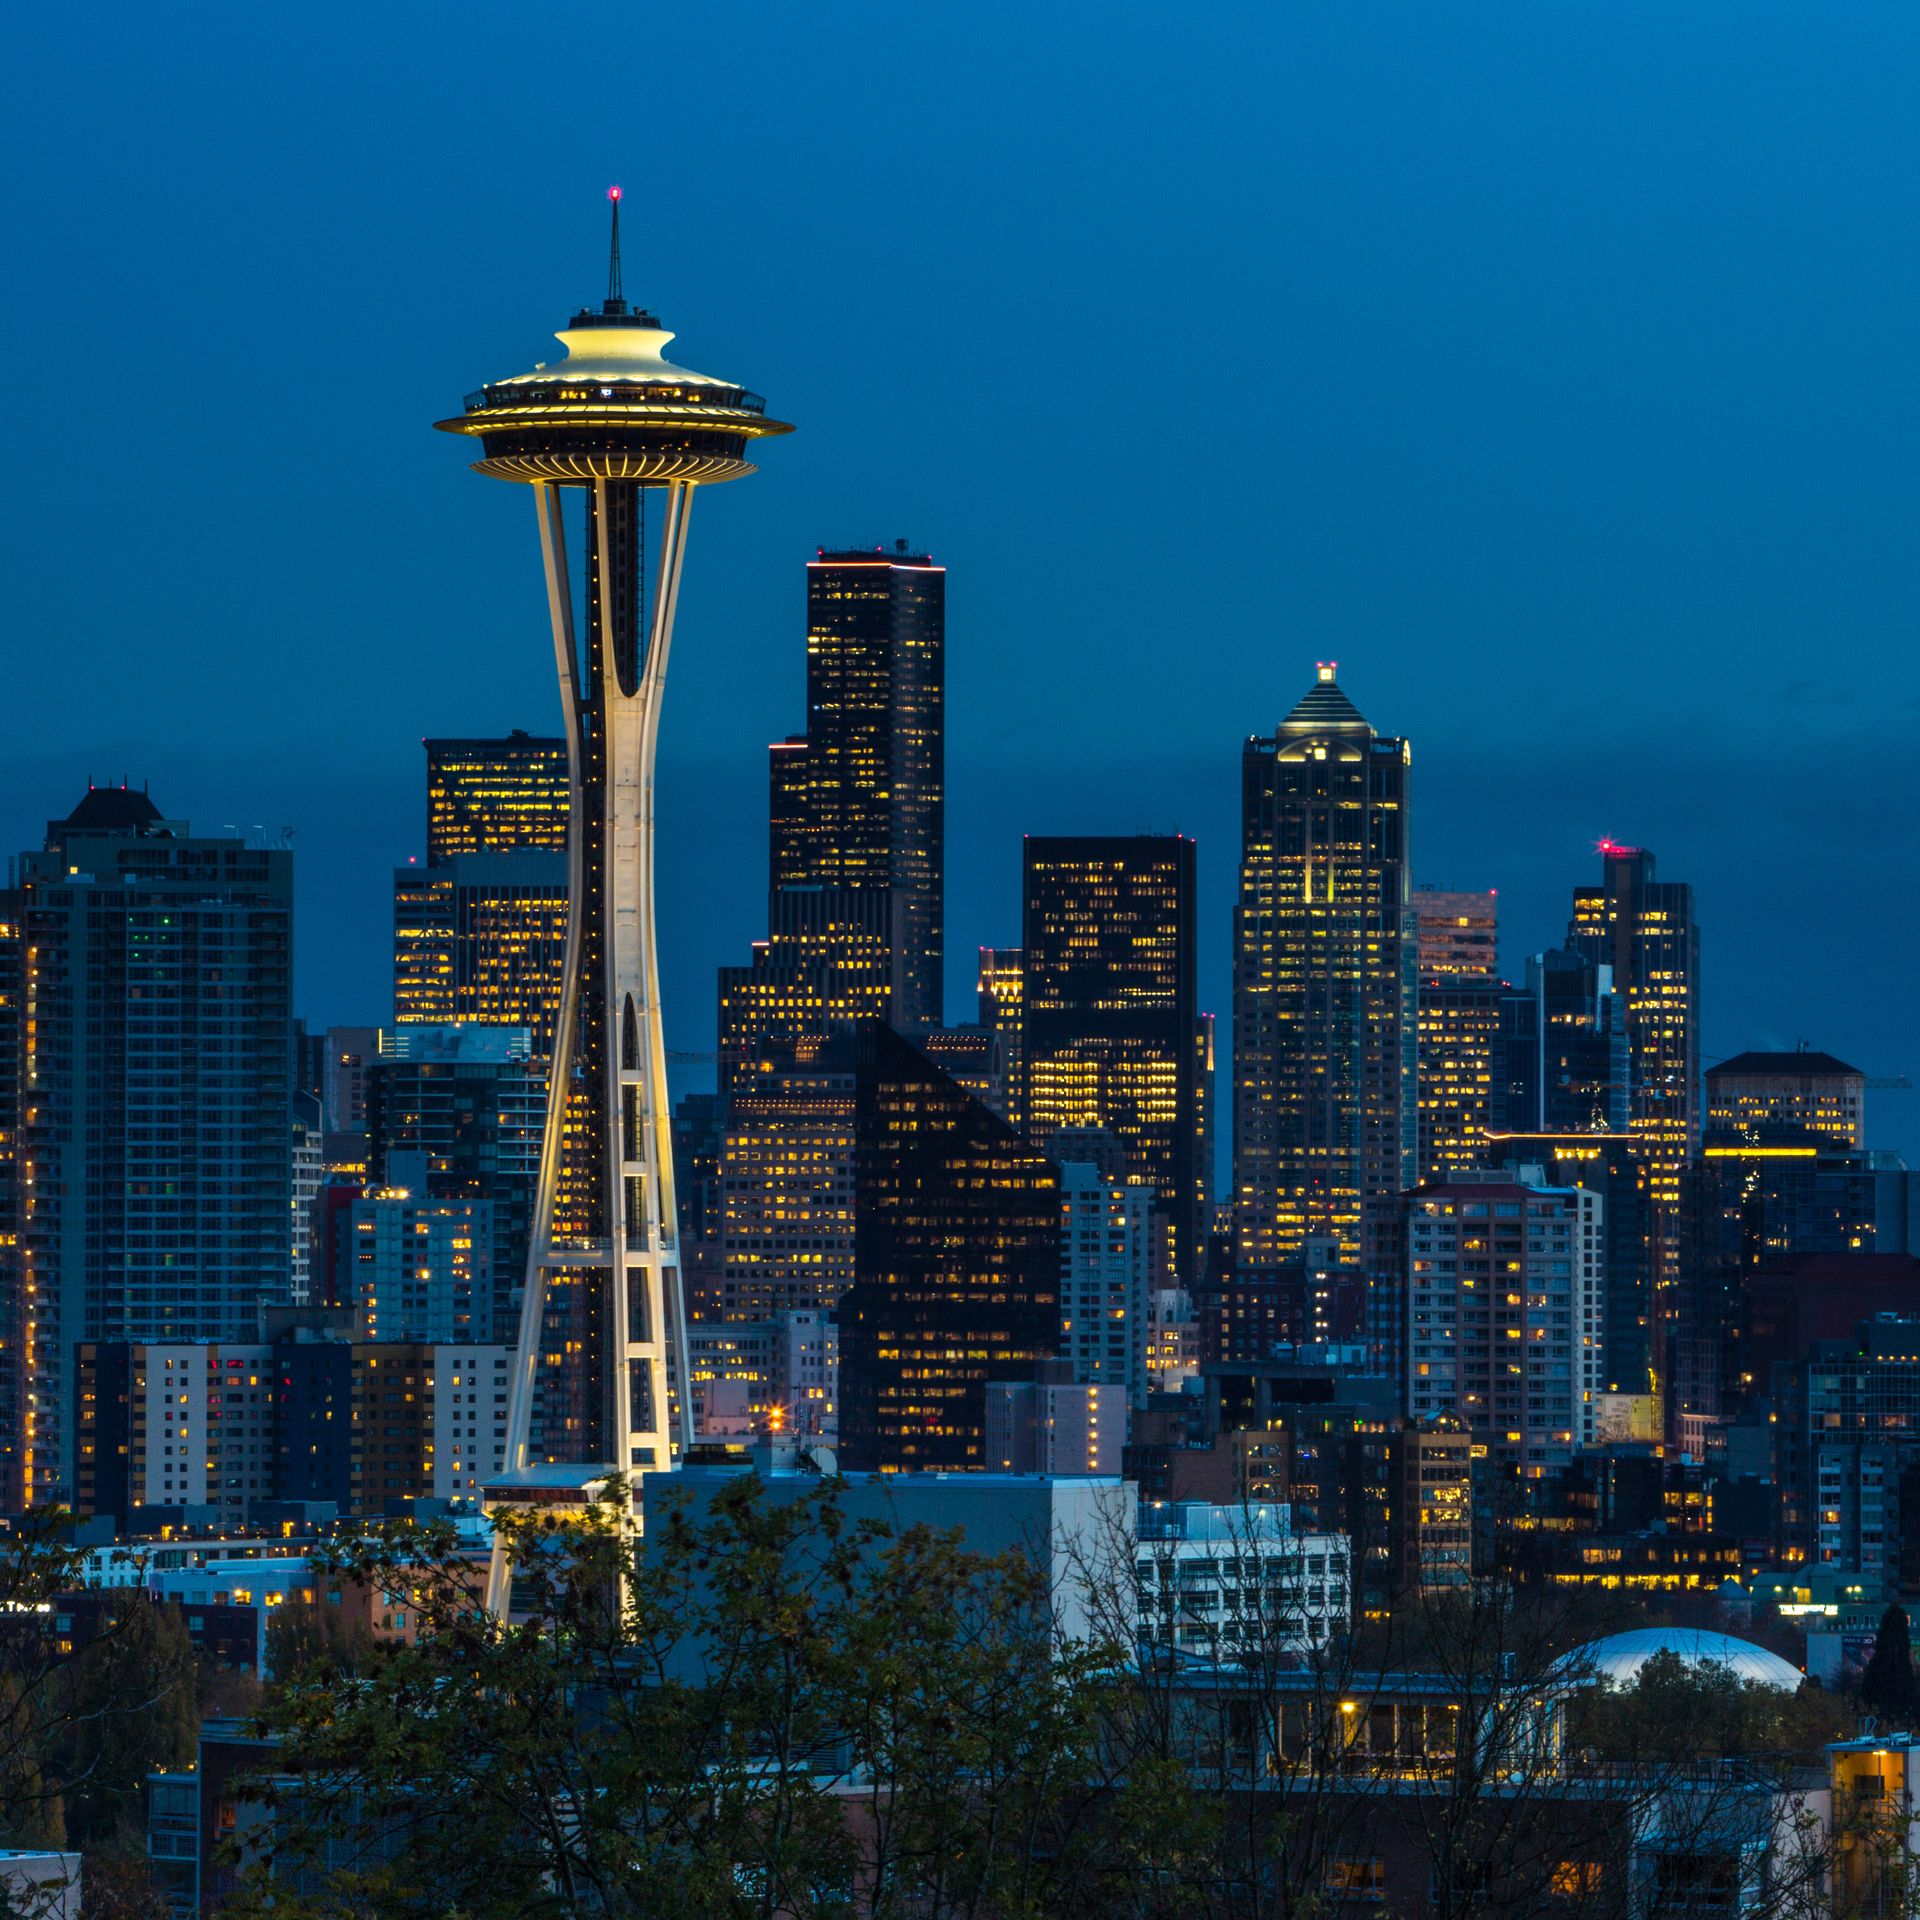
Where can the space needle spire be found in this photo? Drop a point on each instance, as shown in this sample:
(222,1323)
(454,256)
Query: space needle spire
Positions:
(599,436)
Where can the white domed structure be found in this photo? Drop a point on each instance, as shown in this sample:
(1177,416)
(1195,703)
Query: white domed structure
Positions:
(1620,1656)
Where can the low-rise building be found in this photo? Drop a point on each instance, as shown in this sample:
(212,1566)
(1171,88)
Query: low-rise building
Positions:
(1227,1581)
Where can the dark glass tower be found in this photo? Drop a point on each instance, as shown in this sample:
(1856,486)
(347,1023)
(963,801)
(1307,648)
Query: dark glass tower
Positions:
(956,1263)
(157,1089)
(858,800)
(1644,929)
(1324,982)
(1110,1036)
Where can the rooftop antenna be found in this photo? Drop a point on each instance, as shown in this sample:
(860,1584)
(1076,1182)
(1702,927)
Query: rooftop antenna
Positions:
(615,298)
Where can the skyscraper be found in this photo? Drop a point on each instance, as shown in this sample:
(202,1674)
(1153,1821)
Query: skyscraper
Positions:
(1504,1315)
(1801,1088)
(1324,981)
(1461,995)
(787,1186)
(1564,1047)
(827,963)
(157,1093)
(858,800)
(1110,1036)
(956,1264)
(1643,928)
(455,1113)
(493,796)
(1001,997)
(619,427)
(480,931)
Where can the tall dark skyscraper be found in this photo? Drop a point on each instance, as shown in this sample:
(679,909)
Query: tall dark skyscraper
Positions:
(1564,1042)
(157,1090)
(1110,1036)
(1324,982)
(956,1262)
(1644,929)
(858,800)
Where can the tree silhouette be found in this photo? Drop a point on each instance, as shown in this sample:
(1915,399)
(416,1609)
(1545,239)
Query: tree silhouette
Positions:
(1888,1687)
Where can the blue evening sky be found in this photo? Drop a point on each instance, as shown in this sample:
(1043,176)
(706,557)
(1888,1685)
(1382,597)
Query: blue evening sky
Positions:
(1553,367)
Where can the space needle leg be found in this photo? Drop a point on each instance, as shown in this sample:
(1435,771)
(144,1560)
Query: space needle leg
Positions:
(553,553)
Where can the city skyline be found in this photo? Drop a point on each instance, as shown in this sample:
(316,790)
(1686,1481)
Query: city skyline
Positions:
(1507,462)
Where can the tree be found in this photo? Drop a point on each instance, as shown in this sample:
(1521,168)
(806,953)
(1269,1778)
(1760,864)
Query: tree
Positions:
(132,1706)
(788,1709)
(1888,1687)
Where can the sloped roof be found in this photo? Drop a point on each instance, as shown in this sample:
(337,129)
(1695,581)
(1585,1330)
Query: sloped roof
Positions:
(112,810)
(1323,708)
(1781,1063)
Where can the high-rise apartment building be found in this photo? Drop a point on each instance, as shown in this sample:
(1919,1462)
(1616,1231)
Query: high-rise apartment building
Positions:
(1606,1164)
(1643,928)
(1504,1311)
(1461,996)
(1847,1431)
(1110,1034)
(1106,1279)
(1324,981)
(422,1269)
(157,1082)
(493,796)
(455,1114)
(956,1265)
(858,800)
(1797,1089)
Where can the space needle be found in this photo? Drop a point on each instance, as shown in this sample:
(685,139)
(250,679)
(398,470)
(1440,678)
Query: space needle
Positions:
(633,435)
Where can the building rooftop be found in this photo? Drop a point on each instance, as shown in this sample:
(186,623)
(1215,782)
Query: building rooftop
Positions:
(121,809)
(1619,1658)
(1798,1061)
(1323,708)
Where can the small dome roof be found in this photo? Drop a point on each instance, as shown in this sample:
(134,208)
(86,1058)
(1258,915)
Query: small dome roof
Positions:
(1620,1656)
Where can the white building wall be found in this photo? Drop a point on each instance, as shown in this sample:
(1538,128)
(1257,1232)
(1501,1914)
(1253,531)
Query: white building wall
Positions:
(1221,1581)
(469,1418)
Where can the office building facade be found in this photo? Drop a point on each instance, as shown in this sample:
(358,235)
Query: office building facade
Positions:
(1110,1033)
(1801,1088)
(1324,981)
(858,800)
(956,1265)
(1459,1057)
